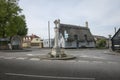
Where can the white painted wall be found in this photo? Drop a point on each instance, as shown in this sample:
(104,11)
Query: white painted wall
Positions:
(35,40)
(46,43)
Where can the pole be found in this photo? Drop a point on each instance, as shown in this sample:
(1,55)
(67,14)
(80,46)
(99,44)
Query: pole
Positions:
(49,32)
(115,29)
(110,43)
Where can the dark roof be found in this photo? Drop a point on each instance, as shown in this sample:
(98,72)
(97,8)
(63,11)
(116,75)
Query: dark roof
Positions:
(116,35)
(73,30)
(33,36)
(72,26)
(116,41)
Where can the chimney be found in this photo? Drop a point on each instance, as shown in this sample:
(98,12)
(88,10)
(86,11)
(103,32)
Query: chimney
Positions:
(86,24)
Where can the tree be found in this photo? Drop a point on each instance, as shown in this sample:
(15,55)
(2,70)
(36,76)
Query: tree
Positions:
(17,26)
(101,43)
(12,22)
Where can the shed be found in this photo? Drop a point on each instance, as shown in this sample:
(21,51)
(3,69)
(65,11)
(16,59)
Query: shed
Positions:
(4,43)
(116,41)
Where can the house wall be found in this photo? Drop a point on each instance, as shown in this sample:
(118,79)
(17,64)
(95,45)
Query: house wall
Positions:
(26,44)
(66,44)
(81,44)
(70,44)
(35,40)
(61,41)
(36,43)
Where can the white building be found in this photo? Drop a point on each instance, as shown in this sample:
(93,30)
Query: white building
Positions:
(72,36)
(48,43)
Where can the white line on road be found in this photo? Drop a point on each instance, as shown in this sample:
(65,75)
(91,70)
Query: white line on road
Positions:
(81,61)
(34,54)
(21,58)
(9,57)
(98,62)
(50,77)
(35,59)
(87,56)
(30,54)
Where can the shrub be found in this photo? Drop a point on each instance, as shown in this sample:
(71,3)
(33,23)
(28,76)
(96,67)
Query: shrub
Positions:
(101,43)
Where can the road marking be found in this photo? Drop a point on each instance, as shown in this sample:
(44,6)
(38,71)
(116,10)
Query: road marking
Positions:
(86,56)
(83,61)
(49,77)
(9,57)
(98,62)
(35,59)
(34,54)
(30,54)
(21,58)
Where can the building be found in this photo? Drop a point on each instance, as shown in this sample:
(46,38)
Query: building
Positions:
(13,43)
(48,43)
(16,42)
(96,37)
(73,36)
(116,41)
(4,43)
(32,41)
(26,42)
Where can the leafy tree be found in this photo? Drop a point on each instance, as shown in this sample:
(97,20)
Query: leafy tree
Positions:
(101,43)
(12,22)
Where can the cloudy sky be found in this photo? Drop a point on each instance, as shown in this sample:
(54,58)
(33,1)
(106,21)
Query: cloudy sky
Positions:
(102,15)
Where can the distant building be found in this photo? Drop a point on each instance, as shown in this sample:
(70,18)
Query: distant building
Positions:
(46,43)
(73,36)
(26,41)
(4,43)
(97,37)
(32,41)
(116,41)
(16,42)
(13,43)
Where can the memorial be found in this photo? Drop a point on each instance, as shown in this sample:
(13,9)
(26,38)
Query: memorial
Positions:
(57,52)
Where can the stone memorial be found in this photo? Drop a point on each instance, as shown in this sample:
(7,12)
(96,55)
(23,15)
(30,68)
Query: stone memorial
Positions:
(57,52)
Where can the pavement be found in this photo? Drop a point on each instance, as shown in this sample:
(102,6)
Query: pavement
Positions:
(90,64)
(19,50)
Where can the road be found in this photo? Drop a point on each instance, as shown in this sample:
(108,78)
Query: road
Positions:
(89,65)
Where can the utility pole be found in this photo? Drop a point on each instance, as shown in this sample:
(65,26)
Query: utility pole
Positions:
(115,29)
(49,32)
(110,43)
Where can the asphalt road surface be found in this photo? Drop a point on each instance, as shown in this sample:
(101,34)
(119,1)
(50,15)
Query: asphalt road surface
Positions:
(89,65)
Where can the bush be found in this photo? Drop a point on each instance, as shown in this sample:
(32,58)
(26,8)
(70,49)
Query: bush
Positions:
(101,43)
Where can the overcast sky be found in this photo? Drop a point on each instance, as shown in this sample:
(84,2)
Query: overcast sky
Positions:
(102,15)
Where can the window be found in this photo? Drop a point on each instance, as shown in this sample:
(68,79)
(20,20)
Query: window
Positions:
(85,37)
(36,39)
(76,37)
